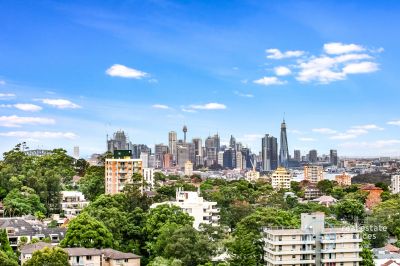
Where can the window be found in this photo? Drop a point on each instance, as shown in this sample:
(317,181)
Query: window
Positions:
(293,256)
(88,257)
(126,260)
(293,237)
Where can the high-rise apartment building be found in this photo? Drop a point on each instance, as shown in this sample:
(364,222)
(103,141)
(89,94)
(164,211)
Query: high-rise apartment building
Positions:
(281,178)
(269,153)
(144,156)
(297,155)
(333,157)
(395,186)
(314,243)
(284,150)
(172,140)
(313,156)
(118,173)
(313,173)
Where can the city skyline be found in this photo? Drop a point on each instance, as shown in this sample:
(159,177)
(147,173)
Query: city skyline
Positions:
(82,71)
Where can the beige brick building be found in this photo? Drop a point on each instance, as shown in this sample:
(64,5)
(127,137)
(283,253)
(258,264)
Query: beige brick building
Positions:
(314,243)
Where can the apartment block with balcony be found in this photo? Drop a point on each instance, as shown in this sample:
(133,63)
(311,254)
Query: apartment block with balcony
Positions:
(72,203)
(313,173)
(202,211)
(395,184)
(314,243)
(118,173)
(281,178)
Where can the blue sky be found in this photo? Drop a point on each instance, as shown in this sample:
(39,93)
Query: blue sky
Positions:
(72,72)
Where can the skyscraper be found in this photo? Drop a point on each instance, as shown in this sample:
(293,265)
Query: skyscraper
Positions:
(172,143)
(297,155)
(313,156)
(159,151)
(212,146)
(232,142)
(118,142)
(269,153)
(333,157)
(198,151)
(284,150)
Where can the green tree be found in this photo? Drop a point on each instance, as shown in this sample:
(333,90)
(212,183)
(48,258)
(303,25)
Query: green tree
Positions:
(350,210)
(184,243)
(7,255)
(160,261)
(54,256)
(5,260)
(85,231)
(24,201)
(325,186)
(366,254)
(92,183)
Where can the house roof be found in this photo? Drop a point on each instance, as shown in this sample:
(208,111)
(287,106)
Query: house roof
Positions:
(30,248)
(83,252)
(391,248)
(390,262)
(325,199)
(118,255)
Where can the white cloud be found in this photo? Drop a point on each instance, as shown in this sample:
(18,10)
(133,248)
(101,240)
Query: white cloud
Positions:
(363,67)
(188,110)
(394,123)
(282,71)
(322,69)
(371,145)
(341,48)
(267,81)
(39,134)
(344,136)
(250,138)
(6,95)
(306,139)
(369,127)
(245,95)
(277,54)
(18,121)
(324,130)
(209,106)
(122,71)
(60,103)
(160,106)
(28,107)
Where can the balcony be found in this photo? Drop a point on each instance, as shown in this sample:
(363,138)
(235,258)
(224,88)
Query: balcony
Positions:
(289,242)
(278,252)
(289,262)
(341,250)
(341,240)
(342,259)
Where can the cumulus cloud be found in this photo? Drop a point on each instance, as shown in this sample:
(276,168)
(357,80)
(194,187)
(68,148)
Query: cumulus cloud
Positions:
(209,106)
(341,48)
(122,71)
(394,123)
(282,71)
(160,106)
(60,103)
(277,54)
(324,130)
(356,131)
(363,67)
(369,127)
(39,135)
(18,121)
(23,106)
(268,81)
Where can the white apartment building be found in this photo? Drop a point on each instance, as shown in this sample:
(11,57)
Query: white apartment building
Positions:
(148,178)
(313,173)
(313,244)
(72,203)
(190,202)
(395,186)
(118,173)
(281,178)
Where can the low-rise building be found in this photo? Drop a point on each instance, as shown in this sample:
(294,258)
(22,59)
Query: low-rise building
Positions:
(84,256)
(313,243)
(148,178)
(374,195)
(190,202)
(188,168)
(343,179)
(72,203)
(281,178)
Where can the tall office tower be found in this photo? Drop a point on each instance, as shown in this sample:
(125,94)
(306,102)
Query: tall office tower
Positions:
(184,133)
(159,151)
(76,152)
(221,158)
(240,161)
(118,142)
(232,142)
(269,153)
(182,155)
(239,146)
(333,157)
(297,155)
(284,150)
(198,151)
(172,138)
(144,156)
(212,146)
(313,156)
(229,158)
(137,149)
